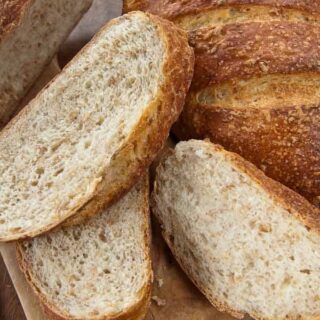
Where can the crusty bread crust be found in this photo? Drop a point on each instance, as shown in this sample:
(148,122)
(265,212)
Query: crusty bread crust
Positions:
(135,312)
(295,204)
(281,139)
(146,139)
(151,133)
(12,12)
(243,50)
(178,8)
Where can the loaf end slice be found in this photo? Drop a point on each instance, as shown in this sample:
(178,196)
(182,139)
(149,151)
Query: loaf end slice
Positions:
(249,244)
(98,270)
(94,130)
(31,32)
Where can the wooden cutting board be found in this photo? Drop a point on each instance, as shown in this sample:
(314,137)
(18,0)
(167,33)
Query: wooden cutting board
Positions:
(174,297)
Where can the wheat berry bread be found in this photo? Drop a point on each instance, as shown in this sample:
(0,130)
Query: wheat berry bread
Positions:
(250,244)
(91,133)
(31,32)
(255,87)
(98,270)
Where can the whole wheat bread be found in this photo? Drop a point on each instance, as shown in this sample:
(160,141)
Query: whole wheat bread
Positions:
(91,133)
(31,32)
(256,81)
(250,244)
(98,270)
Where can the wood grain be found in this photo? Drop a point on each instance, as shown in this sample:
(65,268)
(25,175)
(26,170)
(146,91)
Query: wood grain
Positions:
(10,307)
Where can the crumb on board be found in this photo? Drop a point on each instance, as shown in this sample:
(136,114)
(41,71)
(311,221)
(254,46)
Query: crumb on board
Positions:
(160,302)
(160,282)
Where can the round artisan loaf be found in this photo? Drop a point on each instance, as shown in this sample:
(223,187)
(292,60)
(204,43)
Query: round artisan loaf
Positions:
(256,83)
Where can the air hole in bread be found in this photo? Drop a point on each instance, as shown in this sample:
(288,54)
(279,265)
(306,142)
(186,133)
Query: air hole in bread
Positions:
(106,271)
(102,236)
(58,172)
(87,144)
(265,228)
(34,183)
(40,171)
(88,85)
(76,234)
(306,271)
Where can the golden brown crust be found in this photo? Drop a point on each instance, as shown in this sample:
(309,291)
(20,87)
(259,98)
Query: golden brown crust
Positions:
(147,138)
(243,50)
(283,141)
(11,13)
(295,204)
(135,312)
(171,9)
(151,133)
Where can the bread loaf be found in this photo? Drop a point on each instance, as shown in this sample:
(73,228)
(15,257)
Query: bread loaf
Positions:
(31,32)
(256,83)
(98,270)
(91,133)
(248,243)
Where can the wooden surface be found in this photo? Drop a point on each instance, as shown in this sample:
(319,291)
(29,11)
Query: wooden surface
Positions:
(100,12)
(10,307)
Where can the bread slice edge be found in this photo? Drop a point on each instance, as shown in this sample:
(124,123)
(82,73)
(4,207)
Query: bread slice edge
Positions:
(135,312)
(146,138)
(295,204)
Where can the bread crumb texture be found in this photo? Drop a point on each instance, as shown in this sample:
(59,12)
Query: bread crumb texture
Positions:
(99,269)
(56,153)
(31,32)
(244,249)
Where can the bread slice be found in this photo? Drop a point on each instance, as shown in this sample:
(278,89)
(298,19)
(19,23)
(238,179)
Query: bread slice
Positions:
(250,244)
(31,32)
(256,82)
(98,270)
(91,133)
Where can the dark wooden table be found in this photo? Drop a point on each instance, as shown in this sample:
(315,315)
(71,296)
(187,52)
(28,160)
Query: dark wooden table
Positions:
(100,12)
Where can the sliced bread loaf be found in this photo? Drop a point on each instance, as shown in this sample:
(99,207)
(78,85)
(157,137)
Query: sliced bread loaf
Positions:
(98,270)
(250,244)
(91,133)
(31,32)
